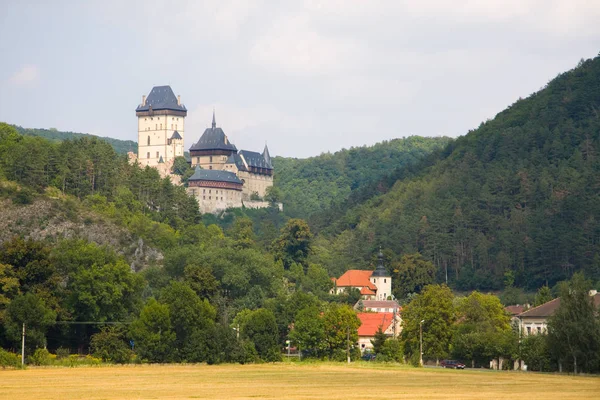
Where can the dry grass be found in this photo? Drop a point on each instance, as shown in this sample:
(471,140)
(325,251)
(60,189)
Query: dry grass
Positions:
(287,381)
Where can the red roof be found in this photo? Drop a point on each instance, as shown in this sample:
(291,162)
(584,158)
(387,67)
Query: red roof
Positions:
(370,322)
(514,310)
(356,278)
(366,291)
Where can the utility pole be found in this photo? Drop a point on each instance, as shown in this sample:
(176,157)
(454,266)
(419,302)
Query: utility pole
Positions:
(348,343)
(421,343)
(23,346)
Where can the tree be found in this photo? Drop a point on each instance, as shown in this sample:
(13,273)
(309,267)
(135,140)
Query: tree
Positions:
(413,273)
(188,314)
(535,352)
(378,341)
(543,295)
(30,310)
(242,234)
(309,332)
(109,345)
(152,333)
(260,327)
(341,330)
(294,243)
(273,194)
(484,331)
(574,329)
(434,307)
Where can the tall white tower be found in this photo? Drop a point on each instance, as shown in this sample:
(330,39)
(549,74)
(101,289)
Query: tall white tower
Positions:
(161,126)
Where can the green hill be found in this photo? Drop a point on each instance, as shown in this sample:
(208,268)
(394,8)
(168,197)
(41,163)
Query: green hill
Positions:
(316,184)
(120,146)
(518,195)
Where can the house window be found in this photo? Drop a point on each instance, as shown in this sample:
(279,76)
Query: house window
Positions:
(539,329)
(384,280)
(528,330)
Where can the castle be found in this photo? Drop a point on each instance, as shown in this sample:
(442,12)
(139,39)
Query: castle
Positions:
(224,177)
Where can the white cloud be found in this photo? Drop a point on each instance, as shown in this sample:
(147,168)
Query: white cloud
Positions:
(294,46)
(27,75)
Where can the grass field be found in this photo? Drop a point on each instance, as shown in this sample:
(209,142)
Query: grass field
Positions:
(287,381)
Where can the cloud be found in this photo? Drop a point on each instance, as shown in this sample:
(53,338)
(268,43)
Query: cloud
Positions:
(27,75)
(293,45)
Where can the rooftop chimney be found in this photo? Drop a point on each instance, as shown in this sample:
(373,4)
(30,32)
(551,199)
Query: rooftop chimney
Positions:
(178,100)
(143,99)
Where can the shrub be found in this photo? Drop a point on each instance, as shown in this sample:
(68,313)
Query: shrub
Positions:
(23,197)
(8,359)
(109,345)
(42,357)
(62,352)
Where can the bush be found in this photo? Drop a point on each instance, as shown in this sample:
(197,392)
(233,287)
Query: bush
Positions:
(24,197)
(8,359)
(42,357)
(62,352)
(109,345)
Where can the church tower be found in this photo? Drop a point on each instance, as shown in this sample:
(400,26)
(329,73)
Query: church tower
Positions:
(161,126)
(382,279)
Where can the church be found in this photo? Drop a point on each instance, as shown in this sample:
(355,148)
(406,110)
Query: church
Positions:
(373,285)
(223,178)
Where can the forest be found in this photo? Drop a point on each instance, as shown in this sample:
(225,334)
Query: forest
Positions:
(512,206)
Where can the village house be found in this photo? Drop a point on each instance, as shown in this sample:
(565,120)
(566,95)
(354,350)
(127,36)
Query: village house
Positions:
(535,320)
(390,323)
(373,285)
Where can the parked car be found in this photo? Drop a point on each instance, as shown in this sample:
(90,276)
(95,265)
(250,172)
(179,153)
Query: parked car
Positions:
(368,357)
(452,364)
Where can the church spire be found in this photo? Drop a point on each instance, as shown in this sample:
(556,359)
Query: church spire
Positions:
(380,270)
(214,122)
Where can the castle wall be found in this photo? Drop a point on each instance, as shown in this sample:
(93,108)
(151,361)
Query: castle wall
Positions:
(211,200)
(255,183)
(158,129)
(206,162)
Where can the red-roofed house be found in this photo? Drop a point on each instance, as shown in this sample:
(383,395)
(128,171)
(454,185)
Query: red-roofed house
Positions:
(370,323)
(373,285)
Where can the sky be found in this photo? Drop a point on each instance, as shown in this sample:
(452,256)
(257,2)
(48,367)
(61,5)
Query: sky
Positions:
(304,76)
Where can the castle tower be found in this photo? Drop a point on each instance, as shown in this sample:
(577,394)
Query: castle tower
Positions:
(161,126)
(213,148)
(382,279)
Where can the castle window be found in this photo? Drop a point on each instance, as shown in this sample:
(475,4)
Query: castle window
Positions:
(209,190)
(157,155)
(148,155)
(210,167)
(384,281)
(155,127)
(173,118)
(209,198)
(203,190)
(221,198)
(151,118)
(175,126)
(148,140)
(171,126)
(203,197)
(160,126)
(210,158)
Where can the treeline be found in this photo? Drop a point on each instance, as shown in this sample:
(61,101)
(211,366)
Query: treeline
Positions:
(519,195)
(311,186)
(89,166)
(120,146)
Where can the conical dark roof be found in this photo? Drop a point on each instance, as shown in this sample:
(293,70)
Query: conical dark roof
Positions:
(380,270)
(161,98)
(214,138)
(267,156)
(176,135)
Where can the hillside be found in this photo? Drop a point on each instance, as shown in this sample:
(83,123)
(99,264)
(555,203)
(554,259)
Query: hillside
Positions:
(120,146)
(518,195)
(313,185)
